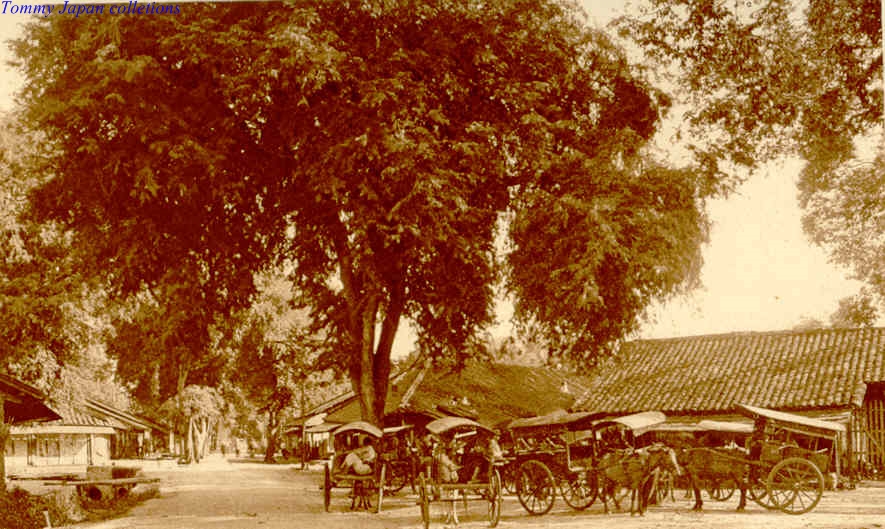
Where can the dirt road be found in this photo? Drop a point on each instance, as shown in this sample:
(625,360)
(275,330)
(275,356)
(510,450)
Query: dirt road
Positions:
(240,496)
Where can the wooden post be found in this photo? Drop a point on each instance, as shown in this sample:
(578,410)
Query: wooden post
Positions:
(4,435)
(303,406)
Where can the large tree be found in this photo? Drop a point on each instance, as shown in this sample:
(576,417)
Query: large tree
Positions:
(379,146)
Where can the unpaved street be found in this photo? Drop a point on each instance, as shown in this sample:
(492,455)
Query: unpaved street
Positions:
(240,496)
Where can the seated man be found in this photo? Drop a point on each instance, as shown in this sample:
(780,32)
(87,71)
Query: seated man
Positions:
(446,466)
(479,458)
(360,460)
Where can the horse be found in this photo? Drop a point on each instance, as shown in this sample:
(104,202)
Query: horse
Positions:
(635,470)
(715,466)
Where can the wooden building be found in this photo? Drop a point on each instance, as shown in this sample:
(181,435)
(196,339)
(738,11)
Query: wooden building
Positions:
(19,403)
(76,439)
(833,374)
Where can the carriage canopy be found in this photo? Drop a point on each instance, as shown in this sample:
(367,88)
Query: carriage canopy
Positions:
(639,423)
(448,424)
(725,426)
(794,423)
(359,427)
(556,419)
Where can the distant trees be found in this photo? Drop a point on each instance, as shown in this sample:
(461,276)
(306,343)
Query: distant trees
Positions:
(273,356)
(855,311)
(194,412)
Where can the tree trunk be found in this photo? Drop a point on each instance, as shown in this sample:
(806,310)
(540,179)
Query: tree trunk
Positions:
(303,429)
(371,375)
(206,437)
(271,448)
(189,448)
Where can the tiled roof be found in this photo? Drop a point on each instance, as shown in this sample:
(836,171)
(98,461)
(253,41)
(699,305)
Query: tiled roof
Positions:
(498,392)
(494,391)
(72,417)
(787,370)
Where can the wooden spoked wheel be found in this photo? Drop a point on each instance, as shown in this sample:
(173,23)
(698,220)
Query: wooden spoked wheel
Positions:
(758,492)
(397,476)
(535,487)
(495,497)
(795,485)
(579,490)
(424,500)
(508,477)
(327,487)
(722,491)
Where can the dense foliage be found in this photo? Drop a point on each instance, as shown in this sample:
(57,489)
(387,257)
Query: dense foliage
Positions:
(381,147)
(768,78)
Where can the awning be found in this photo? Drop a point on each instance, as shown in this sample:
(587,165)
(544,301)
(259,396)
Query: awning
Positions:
(23,402)
(556,419)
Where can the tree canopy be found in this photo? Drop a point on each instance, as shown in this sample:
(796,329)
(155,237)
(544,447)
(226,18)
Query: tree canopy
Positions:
(767,78)
(763,78)
(381,147)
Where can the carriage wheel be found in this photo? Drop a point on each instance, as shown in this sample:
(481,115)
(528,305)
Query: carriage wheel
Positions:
(535,487)
(722,491)
(796,485)
(758,491)
(580,490)
(495,497)
(424,501)
(508,477)
(327,487)
(396,477)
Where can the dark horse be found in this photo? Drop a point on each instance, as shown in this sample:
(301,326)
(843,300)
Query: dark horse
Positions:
(635,470)
(711,467)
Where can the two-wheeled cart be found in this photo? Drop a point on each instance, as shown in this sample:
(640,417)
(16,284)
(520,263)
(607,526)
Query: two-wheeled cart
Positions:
(789,455)
(560,453)
(363,487)
(460,441)
(398,455)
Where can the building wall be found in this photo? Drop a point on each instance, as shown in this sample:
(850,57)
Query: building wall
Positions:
(24,451)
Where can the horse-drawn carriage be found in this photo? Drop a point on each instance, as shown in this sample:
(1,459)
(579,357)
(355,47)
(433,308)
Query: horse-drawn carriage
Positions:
(349,439)
(399,456)
(782,468)
(460,467)
(561,453)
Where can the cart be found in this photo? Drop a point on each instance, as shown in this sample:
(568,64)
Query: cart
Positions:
(722,433)
(362,486)
(399,457)
(460,440)
(789,455)
(783,465)
(560,453)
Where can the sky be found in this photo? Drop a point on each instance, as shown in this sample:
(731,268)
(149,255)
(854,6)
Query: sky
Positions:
(760,272)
